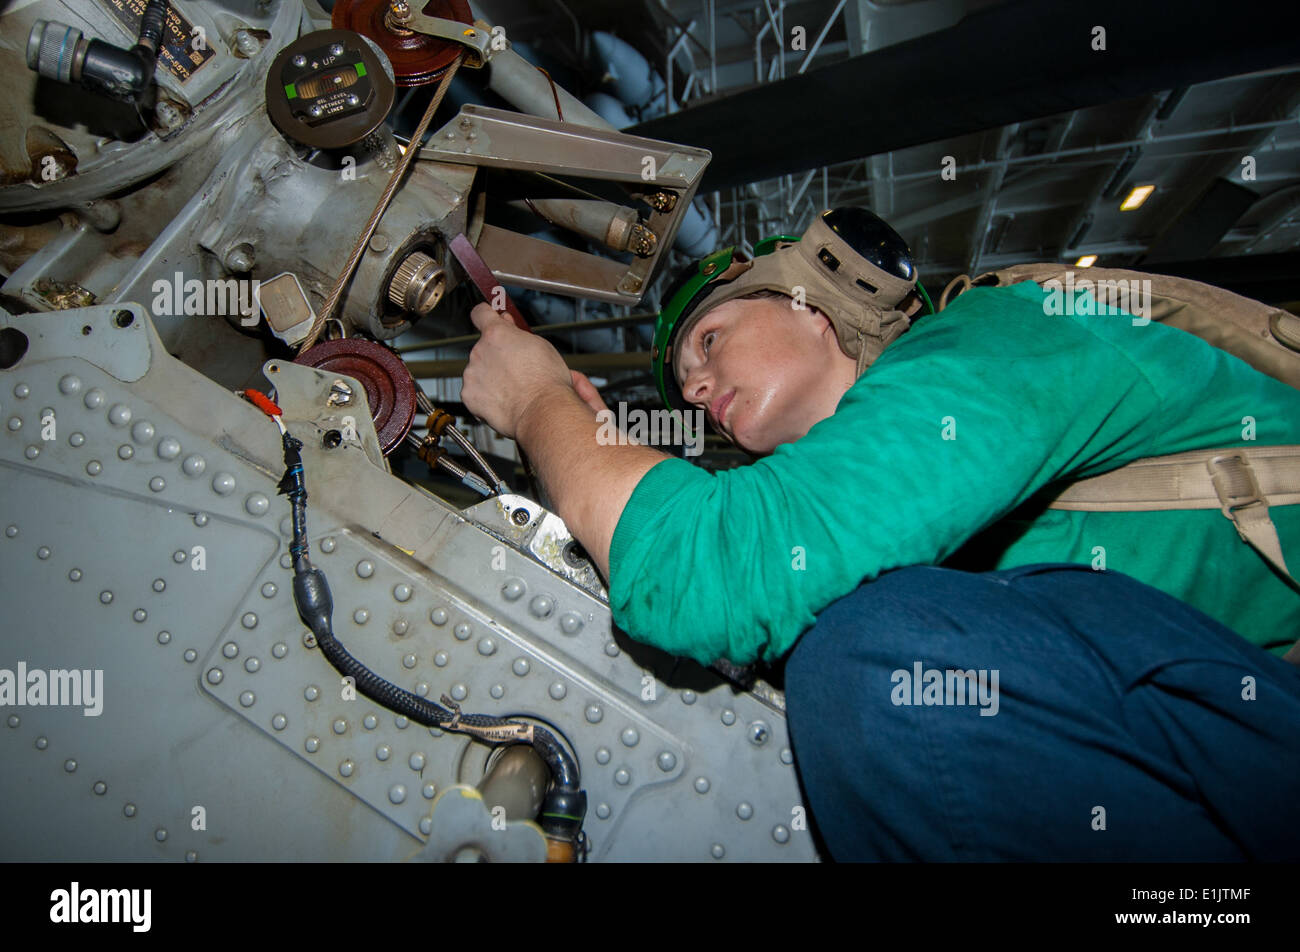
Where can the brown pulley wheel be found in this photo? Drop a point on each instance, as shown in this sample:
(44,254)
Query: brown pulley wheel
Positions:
(390,390)
(417,59)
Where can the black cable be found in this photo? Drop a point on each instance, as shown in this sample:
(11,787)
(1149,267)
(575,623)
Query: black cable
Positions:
(565,804)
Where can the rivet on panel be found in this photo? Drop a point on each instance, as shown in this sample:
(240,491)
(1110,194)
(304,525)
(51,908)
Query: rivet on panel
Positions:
(717,851)
(327,544)
(463,631)
(93,399)
(786,756)
(312,745)
(279,722)
(622,776)
(128,810)
(438,616)
(179,556)
(223,484)
(383,752)
(279,649)
(594,713)
(11,531)
(247,698)
(164,637)
(402,592)
(667,760)
(94,467)
(557,690)
(365,568)
(429,791)
(513,589)
(248,620)
(497,691)
(340,726)
(70,765)
(42,743)
(158,585)
(780,834)
(214,675)
(15,423)
(169,448)
(487,646)
(728,717)
(520,666)
(191,856)
(268,589)
(142,432)
(193,465)
(257,504)
(630,737)
(426,825)
(32,452)
(401,722)
(361,616)
(459,692)
(69,384)
(422,689)
(312,692)
(191,655)
(100,788)
(346,768)
(106,597)
(611,649)
(75,575)
(441,659)
(157,484)
(542,606)
(408,661)
(702,784)
(77,439)
(230,649)
(370,722)
(570,623)
(139,614)
(602,811)
(252,665)
(286,561)
(200,519)
(744,810)
(400,627)
(602,756)
(416,761)
(14,720)
(119,415)
(43,553)
(125,451)
(22,391)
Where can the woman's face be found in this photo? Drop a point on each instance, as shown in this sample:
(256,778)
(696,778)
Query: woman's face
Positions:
(763,371)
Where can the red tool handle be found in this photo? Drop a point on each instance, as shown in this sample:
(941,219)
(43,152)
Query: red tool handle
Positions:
(483,277)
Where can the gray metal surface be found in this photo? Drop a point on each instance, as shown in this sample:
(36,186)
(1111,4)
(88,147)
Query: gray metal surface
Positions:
(211,697)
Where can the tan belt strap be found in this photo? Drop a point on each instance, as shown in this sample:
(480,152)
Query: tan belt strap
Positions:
(1242,482)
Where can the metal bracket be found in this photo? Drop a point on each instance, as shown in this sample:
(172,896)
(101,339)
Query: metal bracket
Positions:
(477,41)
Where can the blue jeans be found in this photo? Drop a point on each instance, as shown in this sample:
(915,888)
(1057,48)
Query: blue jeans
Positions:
(1104,720)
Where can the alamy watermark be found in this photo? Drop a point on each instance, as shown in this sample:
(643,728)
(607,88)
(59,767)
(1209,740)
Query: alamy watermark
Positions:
(56,688)
(214,297)
(77,905)
(1100,297)
(946,687)
(651,428)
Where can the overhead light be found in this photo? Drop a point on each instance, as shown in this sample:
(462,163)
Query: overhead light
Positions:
(1087,261)
(1136,198)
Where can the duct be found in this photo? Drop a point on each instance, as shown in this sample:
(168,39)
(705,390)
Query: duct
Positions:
(627,73)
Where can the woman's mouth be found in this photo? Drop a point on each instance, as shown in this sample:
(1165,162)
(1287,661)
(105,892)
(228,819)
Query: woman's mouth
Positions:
(720,407)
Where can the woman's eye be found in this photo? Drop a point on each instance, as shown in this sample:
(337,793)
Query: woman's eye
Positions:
(707,340)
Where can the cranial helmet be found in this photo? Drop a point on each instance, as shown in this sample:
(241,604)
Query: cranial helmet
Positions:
(849,265)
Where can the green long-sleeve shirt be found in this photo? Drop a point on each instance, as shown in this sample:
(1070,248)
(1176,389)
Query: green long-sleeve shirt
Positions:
(958,423)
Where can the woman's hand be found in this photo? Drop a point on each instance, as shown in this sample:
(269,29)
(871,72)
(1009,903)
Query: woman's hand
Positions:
(508,369)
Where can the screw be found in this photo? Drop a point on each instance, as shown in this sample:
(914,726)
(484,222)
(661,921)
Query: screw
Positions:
(336,49)
(315,111)
(759,733)
(299,60)
(247,43)
(340,394)
(520,517)
(352,99)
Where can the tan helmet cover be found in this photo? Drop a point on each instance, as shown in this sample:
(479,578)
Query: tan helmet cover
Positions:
(859,299)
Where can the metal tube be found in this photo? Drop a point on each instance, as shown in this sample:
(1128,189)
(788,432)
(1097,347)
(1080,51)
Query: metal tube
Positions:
(517,782)
(521,84)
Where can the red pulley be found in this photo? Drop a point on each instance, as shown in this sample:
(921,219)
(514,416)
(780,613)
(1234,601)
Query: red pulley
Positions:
(390,390)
